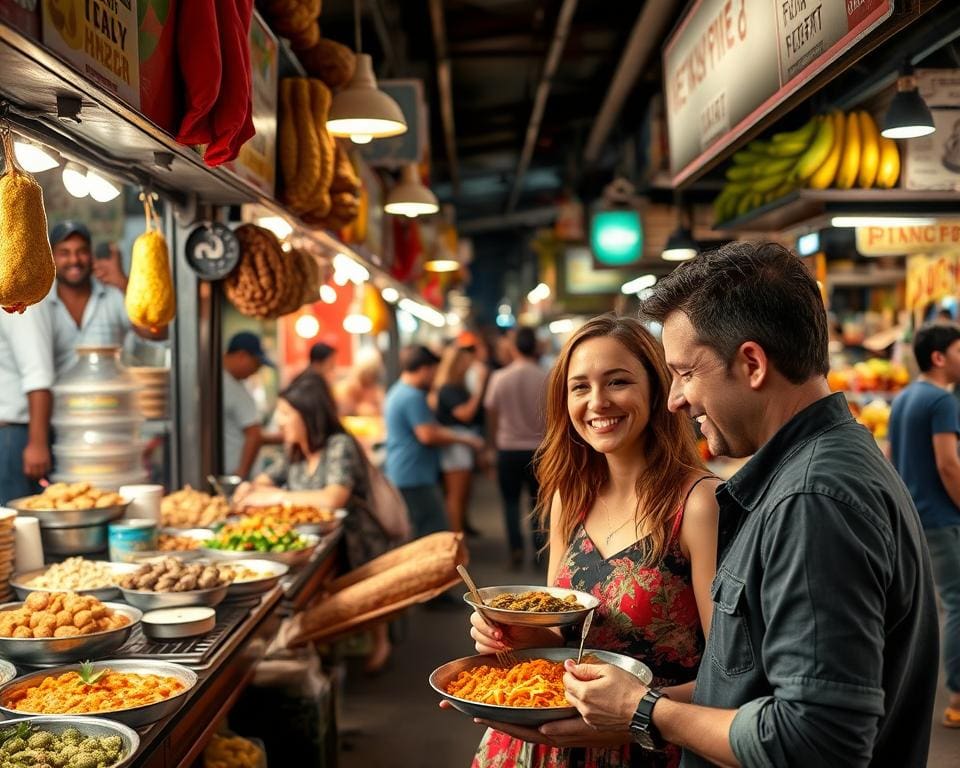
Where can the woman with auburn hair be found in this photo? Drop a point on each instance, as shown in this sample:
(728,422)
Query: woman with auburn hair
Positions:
(633,521)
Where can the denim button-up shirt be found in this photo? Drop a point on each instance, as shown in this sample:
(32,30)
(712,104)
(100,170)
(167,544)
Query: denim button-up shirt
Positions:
(824,633)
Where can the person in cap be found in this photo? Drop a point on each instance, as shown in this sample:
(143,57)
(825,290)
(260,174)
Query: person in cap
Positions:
(242,434)
(413,441)
(323,361)
(84,310)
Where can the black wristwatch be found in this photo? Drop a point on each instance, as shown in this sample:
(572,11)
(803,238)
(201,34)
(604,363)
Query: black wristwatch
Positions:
(644,732)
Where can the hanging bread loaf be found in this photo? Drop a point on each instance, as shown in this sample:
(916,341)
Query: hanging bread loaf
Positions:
(307,175)
(259,284)
(320,99)
(329,61)
(288,143)
(311,270)
(425,546)
(26,262)
(293,298)
(290,18)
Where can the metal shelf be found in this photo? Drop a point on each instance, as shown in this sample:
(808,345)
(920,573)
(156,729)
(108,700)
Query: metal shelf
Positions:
(810,209)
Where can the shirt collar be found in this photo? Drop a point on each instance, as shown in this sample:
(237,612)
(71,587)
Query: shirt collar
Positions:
(97,289)
(748,486)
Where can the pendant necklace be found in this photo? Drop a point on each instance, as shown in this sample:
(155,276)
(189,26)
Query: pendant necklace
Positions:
(616,530)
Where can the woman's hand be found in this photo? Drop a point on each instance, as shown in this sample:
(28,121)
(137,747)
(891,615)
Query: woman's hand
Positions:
(260,496)
(492,639)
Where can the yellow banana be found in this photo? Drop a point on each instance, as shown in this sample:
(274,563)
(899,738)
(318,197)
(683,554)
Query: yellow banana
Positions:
(759,147)
(850,161)
(773,167)
(746,157)
(803,135)
(788,148)
(745,204)
(869,151)
(889,168)
(768,183)
(739,172)
(818,151)
(775,194)
(824,175)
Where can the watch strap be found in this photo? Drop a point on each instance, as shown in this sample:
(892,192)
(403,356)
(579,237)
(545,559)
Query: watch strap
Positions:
(642,723)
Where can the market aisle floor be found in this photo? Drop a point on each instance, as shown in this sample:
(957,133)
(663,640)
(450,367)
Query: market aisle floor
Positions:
(392,721)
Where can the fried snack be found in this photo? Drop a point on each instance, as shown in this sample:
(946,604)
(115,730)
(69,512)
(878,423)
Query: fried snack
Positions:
(535,602)
(59,614)
(190,508)
(231,752)
(114,691)
(169,543)
(537,683)
(75,573)
(241,573)
(23,746)
(61,496)
(173,575)
(292,514)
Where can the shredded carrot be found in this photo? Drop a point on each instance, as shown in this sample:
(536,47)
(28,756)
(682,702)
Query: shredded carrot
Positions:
(536,683)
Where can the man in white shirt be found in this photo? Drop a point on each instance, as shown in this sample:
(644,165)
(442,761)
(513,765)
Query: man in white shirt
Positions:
(26,376)
(84,311)
(242,434)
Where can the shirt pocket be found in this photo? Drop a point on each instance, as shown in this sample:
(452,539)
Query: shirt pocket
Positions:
(730,647)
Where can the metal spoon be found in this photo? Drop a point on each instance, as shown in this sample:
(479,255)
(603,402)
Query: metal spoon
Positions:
(585,630)
(505,658)
(212,479)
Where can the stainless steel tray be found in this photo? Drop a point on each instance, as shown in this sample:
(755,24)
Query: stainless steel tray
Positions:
(134,716)
(89,726)
(146,600)
(36,652)
(444,675)
(275,570)
(70,518)
(531,618)
(20,583)
(293,559)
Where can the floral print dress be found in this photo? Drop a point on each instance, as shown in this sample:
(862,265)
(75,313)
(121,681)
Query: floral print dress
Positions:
(648,613)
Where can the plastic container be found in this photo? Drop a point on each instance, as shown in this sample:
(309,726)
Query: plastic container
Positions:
(96,385)
(127,538)
(90,463)
(177,623)
(97,433)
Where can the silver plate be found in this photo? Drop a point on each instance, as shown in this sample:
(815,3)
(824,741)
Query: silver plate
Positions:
(532,618)
(70,518)
(339,515)
(293,559)
(275,570)
(45,651)
(20,583)
(443,676)
(200,534)
(134,716)
(146,600)
(154,627)
(89,726)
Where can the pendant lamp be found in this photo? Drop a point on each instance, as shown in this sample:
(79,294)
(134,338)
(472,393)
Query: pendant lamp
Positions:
(680,246)
(908,116)
(361,110)
(410,197)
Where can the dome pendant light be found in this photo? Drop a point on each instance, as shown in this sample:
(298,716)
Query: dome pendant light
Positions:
(680,245)
(410,197)
(908,116)
(361,110)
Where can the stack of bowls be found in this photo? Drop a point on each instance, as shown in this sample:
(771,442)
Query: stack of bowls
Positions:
(154,394)
(96,422)
(6,553)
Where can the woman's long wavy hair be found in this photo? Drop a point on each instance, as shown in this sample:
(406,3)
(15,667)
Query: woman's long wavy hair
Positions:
(566,465)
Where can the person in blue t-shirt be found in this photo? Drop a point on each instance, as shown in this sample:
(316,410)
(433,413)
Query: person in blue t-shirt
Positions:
(413,439)
(924,424)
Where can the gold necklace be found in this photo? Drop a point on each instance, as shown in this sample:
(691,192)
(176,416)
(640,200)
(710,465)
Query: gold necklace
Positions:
(616,530)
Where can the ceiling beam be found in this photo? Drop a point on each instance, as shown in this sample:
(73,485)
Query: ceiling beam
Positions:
(645,40)
(446,93)
(560,35)
(533,217)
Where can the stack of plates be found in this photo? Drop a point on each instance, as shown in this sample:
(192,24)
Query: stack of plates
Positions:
(6,554)
(154,392)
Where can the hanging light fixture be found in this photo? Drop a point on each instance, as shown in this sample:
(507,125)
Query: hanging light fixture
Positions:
(410,197)
(74,178)
(356,322)
(34,158)
(908,115)
(680,246)
(361,110)
(101,188)
(390,294)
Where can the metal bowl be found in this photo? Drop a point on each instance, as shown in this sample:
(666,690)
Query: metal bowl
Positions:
(21,583)
(339,515)
(134,716)
(441,677)
(293,559)
(146,600)
(81,540)
(45,651)
(94,727)
(7,671)
(200,534)
(532,618)
(273,573)
(70,518)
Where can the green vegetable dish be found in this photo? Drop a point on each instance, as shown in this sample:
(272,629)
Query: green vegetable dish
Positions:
(27,745)
(242,537)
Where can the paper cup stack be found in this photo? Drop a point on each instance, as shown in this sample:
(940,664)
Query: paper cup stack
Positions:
(154,392)
(7,550)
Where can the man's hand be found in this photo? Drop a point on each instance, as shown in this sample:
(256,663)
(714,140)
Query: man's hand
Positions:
(36,460)
(109,270)
(477,443)
(606,696)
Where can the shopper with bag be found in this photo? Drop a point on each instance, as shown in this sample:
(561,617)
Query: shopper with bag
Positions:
(323,466)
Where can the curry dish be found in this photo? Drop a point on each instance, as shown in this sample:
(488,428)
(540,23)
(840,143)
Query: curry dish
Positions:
(535,683)
(113,691)
(535,602)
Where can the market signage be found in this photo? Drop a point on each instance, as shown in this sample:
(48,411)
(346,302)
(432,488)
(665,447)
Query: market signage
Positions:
(101,39)
(932,278)
(730,62)
(919,238)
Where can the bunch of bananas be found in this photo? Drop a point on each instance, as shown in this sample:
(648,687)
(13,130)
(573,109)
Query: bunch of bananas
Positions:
(835,150)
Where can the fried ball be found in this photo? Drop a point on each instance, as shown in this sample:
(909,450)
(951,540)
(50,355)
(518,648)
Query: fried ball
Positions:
(82,618)
(37,601)
(44,630)
(23,632)
(6,627)
(64,619)
(66,631)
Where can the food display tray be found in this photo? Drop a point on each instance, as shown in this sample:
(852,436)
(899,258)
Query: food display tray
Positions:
(194,652)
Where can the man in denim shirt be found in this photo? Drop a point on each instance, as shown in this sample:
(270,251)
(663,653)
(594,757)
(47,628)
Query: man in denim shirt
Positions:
(823,645)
